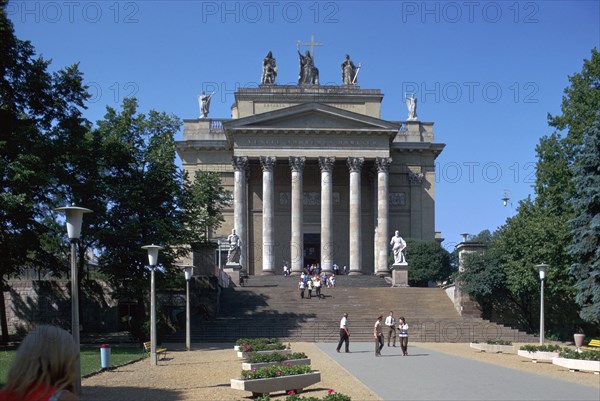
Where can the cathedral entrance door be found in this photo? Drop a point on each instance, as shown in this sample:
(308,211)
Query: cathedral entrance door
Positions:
(312,249)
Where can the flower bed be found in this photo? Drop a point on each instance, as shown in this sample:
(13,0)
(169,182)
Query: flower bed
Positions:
(276,378)
(539,352)
(242,354)
(492,347)
(575,365)
(245,345)
(285,362)
(257,360)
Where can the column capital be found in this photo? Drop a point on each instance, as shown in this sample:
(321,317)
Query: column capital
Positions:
(415,178)
(383,164)
(297,163)
(355,163)
(267,163)
(326,163)
(240,163)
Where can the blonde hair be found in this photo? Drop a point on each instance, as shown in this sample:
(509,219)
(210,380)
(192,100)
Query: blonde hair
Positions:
(46,357)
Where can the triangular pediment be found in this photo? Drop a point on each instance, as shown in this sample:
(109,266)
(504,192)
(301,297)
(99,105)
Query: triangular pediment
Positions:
(311,116)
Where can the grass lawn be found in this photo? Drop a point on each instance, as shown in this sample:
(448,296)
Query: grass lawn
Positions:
(90,358)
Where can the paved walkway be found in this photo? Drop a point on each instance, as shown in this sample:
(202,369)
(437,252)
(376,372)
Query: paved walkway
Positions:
(431,375)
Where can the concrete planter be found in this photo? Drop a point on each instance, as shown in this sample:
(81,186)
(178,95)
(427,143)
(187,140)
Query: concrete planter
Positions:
(258,365)
(575,365)
(273,384)
(241,354)
(493,347)
(538,355)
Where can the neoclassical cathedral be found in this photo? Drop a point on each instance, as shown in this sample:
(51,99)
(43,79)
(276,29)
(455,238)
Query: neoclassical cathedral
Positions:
(316,175)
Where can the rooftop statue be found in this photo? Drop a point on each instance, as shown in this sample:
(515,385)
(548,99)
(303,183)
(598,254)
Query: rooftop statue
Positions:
(349,71)
(269,70)
(308,73)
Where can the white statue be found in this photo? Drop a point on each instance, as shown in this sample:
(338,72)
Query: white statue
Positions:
(204,102)
(235,243)
(411,104)
(398,245)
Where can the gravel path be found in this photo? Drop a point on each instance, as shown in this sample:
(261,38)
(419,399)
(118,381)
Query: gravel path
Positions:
(205,373)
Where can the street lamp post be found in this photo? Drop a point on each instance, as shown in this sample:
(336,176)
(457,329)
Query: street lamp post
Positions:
(542,270)
(74,217)
(152,260)
(188,270)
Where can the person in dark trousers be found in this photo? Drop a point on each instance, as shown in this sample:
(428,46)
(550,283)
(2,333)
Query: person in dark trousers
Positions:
(403,334)
(344,334)
(378,334)
(390,322)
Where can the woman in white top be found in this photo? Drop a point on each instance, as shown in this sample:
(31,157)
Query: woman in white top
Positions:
(403,334)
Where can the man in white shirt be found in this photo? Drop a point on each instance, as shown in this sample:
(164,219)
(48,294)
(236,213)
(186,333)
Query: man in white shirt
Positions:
(344,334)
(390,322)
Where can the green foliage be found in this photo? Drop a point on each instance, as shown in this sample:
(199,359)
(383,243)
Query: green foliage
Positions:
(498,342)
(256,341)
(585,355)
(541,348)
(255,357)
(332,396)
(585,226)
(275,371)
(428,261)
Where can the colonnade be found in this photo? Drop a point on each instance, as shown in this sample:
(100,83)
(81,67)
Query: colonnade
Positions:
(326,165)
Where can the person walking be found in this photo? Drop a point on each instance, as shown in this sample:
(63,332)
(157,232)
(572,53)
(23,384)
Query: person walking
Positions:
(403,334)
(309,286)
(45,367)
(344,334)
(390,322)
(378,334)
(301,287)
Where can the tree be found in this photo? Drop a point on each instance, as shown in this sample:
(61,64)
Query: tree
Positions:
(585,227)
(148,200)
(428,261)
(35,106)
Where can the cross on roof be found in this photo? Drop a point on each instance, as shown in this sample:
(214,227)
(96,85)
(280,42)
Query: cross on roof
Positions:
(312,45)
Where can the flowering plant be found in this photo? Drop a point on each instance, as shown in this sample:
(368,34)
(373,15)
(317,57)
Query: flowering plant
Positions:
(254,357)
(275,371)
(331,396)
(259,344)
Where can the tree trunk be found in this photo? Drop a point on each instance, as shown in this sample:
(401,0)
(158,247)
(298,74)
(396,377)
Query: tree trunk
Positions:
(3,320)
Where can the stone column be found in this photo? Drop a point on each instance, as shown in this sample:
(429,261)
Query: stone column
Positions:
(268,242)
(327,245)
(383,231)
(355,166)
(416,223)
(240,163)
(297,240)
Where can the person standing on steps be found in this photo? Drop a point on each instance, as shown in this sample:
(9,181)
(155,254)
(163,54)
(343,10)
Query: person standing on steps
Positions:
(378,334)
(301,287)
(403,334)
(344,334)
(390,322)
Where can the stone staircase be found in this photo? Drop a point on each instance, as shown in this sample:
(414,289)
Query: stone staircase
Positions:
(270,306)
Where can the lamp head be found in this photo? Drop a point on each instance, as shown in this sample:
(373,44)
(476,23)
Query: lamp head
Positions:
(152,254)
(188,271)
(542,270)
(74,216)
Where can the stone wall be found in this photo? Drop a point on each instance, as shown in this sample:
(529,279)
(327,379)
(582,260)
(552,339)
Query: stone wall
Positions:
(30,302)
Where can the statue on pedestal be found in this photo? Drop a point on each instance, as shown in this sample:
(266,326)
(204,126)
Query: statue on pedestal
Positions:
(204,101)
(411,104)
(308,73)
(349,71)
(269,72)
(235,243)
(398,245)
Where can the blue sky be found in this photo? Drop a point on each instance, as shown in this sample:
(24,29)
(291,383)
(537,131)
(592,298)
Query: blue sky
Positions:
(486,72)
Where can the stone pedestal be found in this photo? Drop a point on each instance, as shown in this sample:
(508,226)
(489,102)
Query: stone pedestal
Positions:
(400,275)
(233,270)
